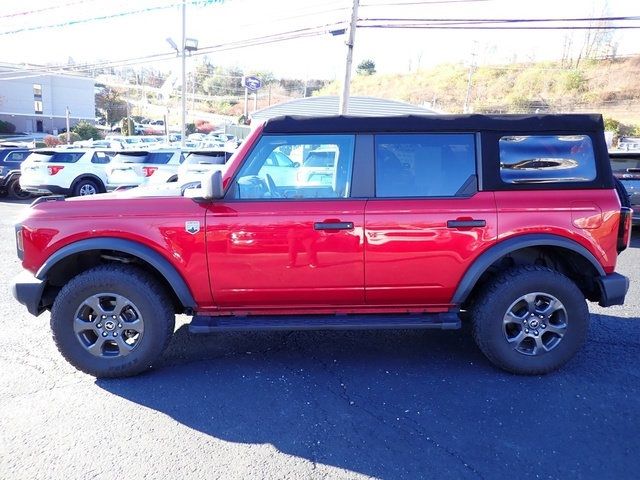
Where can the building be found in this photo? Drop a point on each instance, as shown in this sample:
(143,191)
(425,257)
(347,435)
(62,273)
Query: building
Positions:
(329,105)
(36,100)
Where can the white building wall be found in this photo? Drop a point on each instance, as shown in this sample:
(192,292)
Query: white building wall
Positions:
(58,92)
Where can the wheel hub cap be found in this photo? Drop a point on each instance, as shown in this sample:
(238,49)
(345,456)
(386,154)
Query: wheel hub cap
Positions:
(535,323)
(108,325)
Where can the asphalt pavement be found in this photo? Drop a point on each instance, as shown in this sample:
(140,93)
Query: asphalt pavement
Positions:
(316,405)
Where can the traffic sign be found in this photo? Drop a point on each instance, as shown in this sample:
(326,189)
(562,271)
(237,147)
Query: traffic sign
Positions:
(251,83)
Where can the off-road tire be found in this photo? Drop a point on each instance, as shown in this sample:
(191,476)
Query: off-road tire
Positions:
(147,297)
(494,301)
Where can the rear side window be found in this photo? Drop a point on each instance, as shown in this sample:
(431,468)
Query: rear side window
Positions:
(100,158)
(546,159)
(424,165)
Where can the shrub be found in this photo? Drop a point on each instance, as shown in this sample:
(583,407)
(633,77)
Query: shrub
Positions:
(73,137)
(51,141)
(87,131)
(7,127)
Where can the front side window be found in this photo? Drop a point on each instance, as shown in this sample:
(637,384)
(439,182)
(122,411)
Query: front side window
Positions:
(296,167)
(546,159)
(424,165)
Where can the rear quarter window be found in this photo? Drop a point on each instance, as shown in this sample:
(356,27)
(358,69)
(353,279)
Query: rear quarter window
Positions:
(535,159)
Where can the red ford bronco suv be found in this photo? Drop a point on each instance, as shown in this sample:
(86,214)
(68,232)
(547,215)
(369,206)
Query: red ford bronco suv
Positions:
(508,222)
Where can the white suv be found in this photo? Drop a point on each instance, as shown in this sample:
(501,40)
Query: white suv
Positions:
(198,163)
(131,168)
(70,171)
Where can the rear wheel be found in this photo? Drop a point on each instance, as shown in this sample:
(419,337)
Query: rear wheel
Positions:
(112,321)
(530,320)
(16,192)
(85,187)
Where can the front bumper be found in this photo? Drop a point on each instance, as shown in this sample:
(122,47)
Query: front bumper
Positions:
(613,289)
(28,290)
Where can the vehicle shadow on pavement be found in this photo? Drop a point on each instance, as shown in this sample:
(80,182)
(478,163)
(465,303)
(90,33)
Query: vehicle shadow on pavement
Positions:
(404,404)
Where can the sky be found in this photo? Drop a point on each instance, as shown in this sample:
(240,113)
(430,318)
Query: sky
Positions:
(23,37)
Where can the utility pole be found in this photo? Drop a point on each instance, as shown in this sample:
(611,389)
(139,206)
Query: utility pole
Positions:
(344,98)
(183,52)
(68,132)
(472,66)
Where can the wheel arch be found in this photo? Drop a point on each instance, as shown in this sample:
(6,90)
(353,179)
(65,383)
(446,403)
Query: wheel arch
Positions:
(83,254)
(89,176)
(566,255)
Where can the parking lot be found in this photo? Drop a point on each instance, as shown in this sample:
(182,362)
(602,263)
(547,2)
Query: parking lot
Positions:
(363,404)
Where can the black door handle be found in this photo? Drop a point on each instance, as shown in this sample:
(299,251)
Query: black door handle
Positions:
(333,226)
(466,223)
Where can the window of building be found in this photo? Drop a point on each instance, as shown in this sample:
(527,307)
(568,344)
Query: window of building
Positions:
(37,90)
(424,165)
(547,159)
(37,106)
(297,167)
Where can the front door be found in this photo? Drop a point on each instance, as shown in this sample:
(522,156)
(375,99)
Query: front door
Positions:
(427,222)
(288,238)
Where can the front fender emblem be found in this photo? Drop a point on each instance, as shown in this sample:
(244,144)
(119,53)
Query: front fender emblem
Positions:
(192,226)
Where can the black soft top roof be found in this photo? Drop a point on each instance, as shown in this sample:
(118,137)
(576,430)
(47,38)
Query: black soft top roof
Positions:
(444,123)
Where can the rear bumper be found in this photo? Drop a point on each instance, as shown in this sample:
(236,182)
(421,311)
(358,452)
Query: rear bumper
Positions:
(613,289)
(28,290)
(46,189)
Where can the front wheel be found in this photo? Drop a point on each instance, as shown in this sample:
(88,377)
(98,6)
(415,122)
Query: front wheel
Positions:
(112,321)
(530,320)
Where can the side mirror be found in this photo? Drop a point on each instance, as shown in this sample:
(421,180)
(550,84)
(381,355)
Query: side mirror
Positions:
(211,187)
(296,164)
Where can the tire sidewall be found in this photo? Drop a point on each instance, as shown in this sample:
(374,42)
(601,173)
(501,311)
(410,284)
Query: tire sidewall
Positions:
(150,346)
(16,192)
(81,183)
(547,283)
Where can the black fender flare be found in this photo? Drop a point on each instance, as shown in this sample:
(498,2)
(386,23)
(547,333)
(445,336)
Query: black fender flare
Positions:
(88,176)
(153,258)
(494,253)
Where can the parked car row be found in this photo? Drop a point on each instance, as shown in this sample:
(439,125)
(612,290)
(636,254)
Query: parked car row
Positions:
(87,171)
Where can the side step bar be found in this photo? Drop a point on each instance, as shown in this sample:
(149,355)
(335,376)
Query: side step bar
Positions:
(208,324)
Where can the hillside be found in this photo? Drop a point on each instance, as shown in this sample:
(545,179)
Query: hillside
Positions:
(611,87)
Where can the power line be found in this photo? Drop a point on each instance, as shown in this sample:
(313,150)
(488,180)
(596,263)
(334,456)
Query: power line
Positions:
(45,9)
(107,17)
(503,20)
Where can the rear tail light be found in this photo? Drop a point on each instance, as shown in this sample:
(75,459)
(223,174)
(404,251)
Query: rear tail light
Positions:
(624,230)
(19,242)
(54,169)
(148,171)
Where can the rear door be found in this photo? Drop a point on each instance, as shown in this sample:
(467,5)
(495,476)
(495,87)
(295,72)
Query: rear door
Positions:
(272,243)
(428,221)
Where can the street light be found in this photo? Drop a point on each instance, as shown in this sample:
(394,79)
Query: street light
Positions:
(188,45)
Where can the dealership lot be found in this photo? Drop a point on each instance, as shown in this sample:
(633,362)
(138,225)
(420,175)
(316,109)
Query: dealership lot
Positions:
(319,404)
